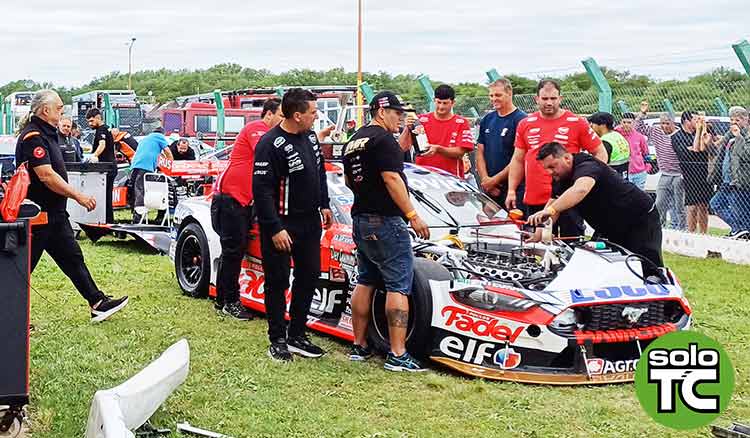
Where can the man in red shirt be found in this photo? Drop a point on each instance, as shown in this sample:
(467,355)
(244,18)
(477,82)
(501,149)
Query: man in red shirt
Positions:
(550,124)
(231,209)
(449,136)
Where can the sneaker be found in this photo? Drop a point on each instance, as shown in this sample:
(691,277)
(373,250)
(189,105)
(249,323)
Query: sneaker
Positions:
(279,352)
(302,346)
(740,235)
(359,353)
(107,307)
(403,363)
(236,311)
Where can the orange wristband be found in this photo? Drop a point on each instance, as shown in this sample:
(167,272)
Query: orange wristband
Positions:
(551,210)
(411,215)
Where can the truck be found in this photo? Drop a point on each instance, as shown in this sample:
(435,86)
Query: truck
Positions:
(126,110)
(15,106)
(199,119)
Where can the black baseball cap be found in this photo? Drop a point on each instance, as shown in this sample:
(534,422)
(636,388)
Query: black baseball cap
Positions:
(388,100)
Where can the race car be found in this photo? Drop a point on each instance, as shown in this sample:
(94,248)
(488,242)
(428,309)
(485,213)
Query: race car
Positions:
(483,302)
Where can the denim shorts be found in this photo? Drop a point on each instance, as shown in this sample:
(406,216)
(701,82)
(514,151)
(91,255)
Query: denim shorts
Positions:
(384,254)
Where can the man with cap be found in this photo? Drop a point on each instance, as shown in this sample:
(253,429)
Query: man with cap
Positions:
(373,166)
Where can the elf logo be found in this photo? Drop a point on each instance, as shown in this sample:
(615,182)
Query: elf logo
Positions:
(469,352)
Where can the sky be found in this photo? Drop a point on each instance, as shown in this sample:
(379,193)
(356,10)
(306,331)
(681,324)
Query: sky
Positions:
(70,43)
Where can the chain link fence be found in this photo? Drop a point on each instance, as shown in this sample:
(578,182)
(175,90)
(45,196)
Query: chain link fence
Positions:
(712,193)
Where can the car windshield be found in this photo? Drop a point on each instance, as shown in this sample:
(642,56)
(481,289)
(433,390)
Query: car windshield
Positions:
(442,200)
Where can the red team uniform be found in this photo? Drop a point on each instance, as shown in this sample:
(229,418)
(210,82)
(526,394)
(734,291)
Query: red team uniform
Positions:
(237,179)
(454,132)
(533,132)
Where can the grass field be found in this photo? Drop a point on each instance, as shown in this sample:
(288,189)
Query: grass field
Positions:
(233,387)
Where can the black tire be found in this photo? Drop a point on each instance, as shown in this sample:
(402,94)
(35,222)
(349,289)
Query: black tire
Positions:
(418,334)
(192,261)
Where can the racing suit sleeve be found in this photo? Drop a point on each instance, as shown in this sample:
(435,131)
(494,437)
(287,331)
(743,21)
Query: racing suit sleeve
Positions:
(268,178)
(324,200)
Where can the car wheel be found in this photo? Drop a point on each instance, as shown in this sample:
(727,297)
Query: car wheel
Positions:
(418,333)
(192,261)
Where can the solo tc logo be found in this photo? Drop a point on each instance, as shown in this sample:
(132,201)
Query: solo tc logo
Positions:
(684,380)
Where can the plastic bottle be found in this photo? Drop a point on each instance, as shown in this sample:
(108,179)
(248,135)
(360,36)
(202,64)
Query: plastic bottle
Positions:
(595,245)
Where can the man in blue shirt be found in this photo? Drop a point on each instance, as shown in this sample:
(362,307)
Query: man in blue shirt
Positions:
(495,146)
(144,161)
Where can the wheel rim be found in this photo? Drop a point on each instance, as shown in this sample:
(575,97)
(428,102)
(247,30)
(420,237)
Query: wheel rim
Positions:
(191,261)
(380,320)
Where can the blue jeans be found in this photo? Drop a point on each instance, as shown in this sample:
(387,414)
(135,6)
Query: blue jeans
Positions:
(384,254)
(639,179)
(670,197)
(732,205)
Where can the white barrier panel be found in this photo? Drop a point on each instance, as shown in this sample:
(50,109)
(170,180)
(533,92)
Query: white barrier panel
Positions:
(115,412)
(704,245)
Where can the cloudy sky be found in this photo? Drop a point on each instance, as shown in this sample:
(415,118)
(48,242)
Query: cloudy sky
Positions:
(71,42)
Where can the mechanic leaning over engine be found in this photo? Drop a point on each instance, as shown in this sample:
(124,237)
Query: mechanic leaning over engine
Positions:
(231,209)
(616,209)
(374,168)
(291,195)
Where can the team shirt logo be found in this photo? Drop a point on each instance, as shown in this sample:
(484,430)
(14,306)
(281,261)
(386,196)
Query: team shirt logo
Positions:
(39,152)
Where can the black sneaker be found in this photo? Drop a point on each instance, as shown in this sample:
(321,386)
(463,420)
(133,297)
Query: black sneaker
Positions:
(302,346)
(405,362)
(279,352)
(358,353)
(107,307)
(237,311)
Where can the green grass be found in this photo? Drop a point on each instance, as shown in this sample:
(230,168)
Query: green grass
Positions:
(235,389)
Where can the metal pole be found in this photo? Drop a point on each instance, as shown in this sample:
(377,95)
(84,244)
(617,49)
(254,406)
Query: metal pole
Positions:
(721,106)
(360,120)
(219,100)
(2,118)
(130,64)
(424,81)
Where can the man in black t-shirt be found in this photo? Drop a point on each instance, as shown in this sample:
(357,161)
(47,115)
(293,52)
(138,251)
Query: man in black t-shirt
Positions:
(104,151)
(38,145)
(615,208)
(374,169)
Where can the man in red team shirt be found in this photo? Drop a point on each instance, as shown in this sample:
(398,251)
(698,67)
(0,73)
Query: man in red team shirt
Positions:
(550,124)
(448,135)
(231,209)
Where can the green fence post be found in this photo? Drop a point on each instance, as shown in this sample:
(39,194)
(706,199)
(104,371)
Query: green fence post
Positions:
(721,107)
(219,101)
(742,49)
(424,81)
(2,115)
(110,118)
(669,107)
(474,112)
(601,84)
(623,106)
(280,91)
(8,118)
(493,75)
(367,92)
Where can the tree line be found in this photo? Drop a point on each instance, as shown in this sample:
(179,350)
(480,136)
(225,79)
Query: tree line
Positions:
(164,84)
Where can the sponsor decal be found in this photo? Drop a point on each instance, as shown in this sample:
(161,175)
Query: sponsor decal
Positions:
(532,119)
(39,152)
(326,299)
(563,130)
(278,141)
(487,131)
(502,134)
(477,324)
(507,360)
(534,130)
(261,164)
(459,120)
(356,145)
(470,352)
(572,119)
(684,380)
(288,148)
(424,119)
(617,292)
(603,366)
(344,238)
